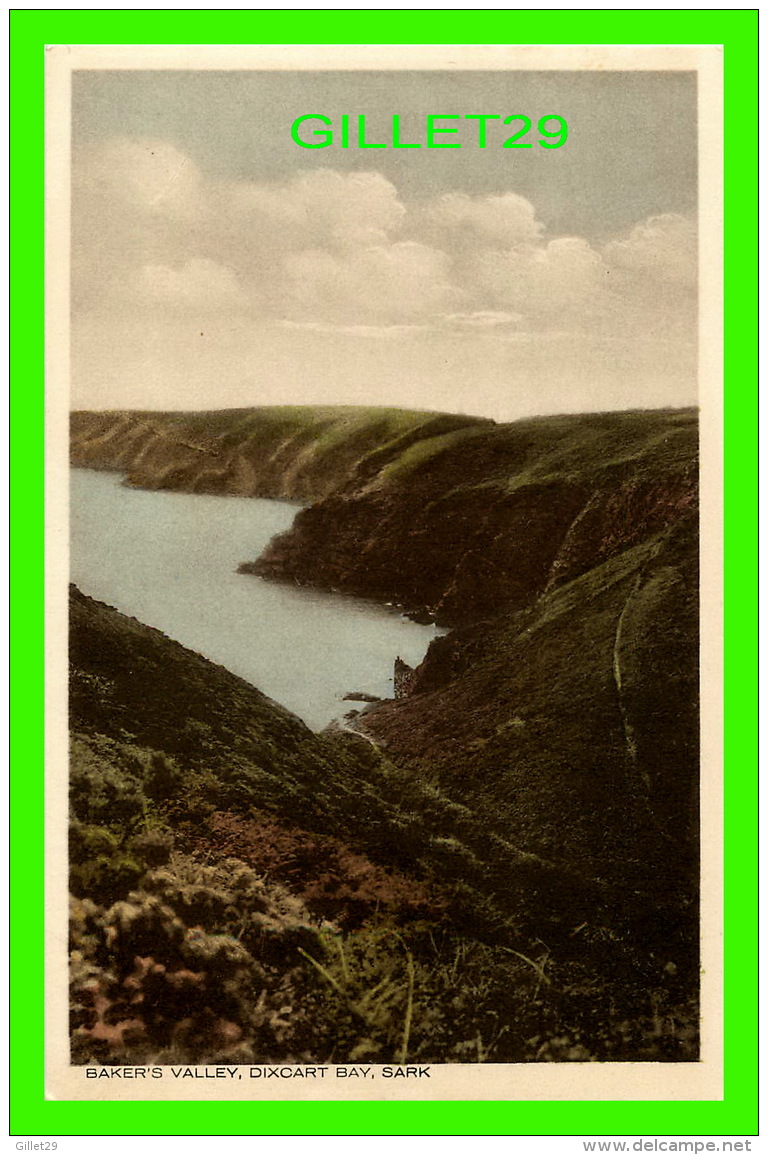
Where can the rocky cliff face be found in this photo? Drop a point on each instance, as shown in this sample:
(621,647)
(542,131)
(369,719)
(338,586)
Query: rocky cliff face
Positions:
(492,517)
(453,516)
(574,722)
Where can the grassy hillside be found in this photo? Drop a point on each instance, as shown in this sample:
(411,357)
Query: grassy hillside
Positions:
(451,516)
(488,517)
(293,452)
(245,890)
(574,723)
(503,864)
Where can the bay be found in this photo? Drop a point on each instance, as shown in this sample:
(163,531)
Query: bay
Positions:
(169,560)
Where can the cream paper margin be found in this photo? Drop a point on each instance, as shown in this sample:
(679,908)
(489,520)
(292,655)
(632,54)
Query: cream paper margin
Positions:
(559,1082)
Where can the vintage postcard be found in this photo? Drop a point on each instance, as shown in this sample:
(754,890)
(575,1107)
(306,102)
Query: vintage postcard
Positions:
(383,434)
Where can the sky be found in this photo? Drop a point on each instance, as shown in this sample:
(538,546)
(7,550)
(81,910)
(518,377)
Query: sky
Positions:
(216,264)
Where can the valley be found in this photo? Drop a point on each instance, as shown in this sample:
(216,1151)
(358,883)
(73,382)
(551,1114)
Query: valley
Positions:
(500,864)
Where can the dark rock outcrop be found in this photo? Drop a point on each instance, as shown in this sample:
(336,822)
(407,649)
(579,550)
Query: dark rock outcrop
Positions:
(403,678)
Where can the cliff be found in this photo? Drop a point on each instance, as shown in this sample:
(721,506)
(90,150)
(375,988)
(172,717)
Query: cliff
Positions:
(491,517)
(573,724)
(299,453)
(452,516)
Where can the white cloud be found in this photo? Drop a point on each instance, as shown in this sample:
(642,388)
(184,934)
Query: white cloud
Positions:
(344,253)
(375,331)
(662,249)
(199,284)
(316,208)
(499,221)
(482,319)
(395,282)
(137,176)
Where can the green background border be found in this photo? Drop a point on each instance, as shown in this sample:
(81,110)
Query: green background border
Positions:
(737,32)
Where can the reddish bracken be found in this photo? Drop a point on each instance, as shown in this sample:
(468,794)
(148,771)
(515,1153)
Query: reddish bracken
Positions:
(335,881)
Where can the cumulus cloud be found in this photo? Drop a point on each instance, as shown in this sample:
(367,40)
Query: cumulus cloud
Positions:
(492,221)
(563,277)
(136,177)
(662,249)
(398,281)
(198,284)
(345,252)
(315,208)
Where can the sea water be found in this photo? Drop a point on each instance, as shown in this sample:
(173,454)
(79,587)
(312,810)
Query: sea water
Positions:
(170,559)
